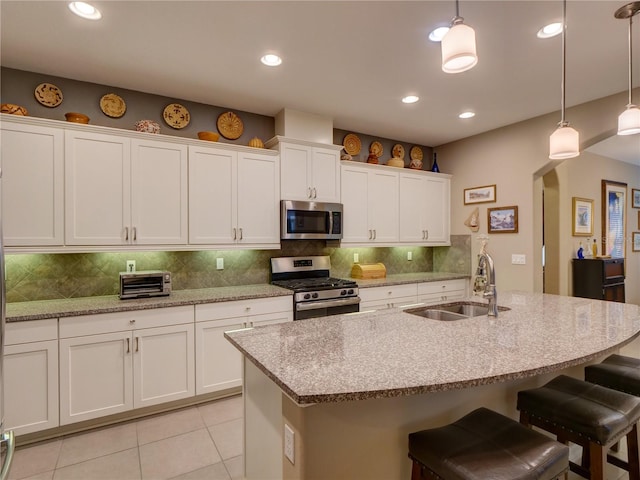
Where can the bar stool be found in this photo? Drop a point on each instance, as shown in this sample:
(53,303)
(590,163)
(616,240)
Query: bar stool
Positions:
(589,415)
(486,445)
(618,372)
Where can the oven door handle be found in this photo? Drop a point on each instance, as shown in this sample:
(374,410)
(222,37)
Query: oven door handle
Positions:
(338,302)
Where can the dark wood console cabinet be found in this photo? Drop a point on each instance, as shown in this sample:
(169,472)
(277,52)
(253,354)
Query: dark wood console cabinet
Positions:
(599,278)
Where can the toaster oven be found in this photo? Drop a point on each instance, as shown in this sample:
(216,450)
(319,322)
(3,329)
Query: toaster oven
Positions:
(148,283)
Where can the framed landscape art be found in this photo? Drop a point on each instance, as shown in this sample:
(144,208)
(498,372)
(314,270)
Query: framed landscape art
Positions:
(582,217)
(502,220)
(484,194)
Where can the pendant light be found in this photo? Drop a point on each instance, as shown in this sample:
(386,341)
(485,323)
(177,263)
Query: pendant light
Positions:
(565,141)
(629,120)
(459,46)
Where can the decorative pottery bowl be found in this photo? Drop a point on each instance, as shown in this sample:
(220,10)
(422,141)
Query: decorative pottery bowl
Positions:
(210,136)
(396,162)
(13,109)
(76,117)
(147,126)
(255,142)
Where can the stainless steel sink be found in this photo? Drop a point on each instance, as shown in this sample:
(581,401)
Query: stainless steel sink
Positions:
(452,311)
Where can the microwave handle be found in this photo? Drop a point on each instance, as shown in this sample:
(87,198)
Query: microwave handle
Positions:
(330,222)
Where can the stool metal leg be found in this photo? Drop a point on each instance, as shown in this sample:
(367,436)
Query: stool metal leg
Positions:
(632,453)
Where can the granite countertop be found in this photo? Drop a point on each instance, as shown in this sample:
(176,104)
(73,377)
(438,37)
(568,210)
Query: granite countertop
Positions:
(399,279)
(391,353)
(22,311)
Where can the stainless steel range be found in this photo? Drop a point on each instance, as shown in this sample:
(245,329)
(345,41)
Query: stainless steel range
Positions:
(316,294)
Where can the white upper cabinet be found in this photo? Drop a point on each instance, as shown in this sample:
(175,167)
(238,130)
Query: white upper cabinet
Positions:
(159,212)
(122,191)
(370,202)
(32,162)
(308,171)
(424,208)
(233,198)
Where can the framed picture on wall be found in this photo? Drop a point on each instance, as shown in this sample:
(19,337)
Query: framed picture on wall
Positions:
(502,220)
(484,194)
(582,217)
(635,198)
(635,241)
(614,197)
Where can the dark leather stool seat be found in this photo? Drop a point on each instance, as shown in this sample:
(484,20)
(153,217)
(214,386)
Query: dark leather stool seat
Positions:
(590,415)
(618,372)
(485,445)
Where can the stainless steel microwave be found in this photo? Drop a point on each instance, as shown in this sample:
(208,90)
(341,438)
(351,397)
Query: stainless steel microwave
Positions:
(310,220)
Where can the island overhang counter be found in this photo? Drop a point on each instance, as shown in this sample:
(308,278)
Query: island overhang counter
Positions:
(352,387)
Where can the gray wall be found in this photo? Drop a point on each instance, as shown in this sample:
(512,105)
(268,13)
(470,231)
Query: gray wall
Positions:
(18,87)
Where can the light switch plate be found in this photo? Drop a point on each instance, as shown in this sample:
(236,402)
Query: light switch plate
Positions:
(289,441)
(220,263)
(518,259)
(356,258)
(409,256)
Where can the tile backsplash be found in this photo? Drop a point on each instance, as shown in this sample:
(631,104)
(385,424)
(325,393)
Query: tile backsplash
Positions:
(52,276)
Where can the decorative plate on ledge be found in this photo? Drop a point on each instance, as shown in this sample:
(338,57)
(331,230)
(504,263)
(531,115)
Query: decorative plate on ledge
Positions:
(176,116)
(376,148)
(230,126)
(352,144)
(113,105)
(48,95)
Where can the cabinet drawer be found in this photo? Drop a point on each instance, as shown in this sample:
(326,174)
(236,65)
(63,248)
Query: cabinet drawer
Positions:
(388,292)
(31,331)
(123,321)
(243,308)
(442,286)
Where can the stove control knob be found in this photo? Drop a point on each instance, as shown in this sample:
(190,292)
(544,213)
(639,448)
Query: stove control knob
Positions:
(307,296)
(350,292)
(343,292)
(315,295)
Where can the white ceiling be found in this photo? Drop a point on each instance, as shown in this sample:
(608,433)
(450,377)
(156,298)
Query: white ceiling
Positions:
(351,61)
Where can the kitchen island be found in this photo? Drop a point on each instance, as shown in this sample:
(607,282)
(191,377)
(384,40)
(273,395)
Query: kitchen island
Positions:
(352,387)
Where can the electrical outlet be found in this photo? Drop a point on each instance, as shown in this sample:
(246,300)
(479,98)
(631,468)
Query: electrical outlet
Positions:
(356,258)
(131,266)
(518,259)
(409,256)
(289,440)
(220,263)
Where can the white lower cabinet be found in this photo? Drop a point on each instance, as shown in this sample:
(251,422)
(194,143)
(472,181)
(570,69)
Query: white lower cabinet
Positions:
(373,298)
(31,376)
(218,363)
(113,362)
(443,291)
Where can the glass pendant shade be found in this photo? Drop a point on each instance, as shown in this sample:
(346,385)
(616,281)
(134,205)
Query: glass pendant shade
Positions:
(629,121)
(564,143)
(459,49)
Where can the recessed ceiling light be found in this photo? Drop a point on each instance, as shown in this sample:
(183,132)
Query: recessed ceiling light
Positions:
(410,99)
(467,114)
(550,30)
(438,33)
(85,10)
(271,60)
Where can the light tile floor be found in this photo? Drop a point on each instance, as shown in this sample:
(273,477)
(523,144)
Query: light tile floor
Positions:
(200,442)
(195,443)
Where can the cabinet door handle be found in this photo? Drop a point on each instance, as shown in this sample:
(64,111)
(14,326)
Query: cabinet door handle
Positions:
(128,346)
(126,234)
(240,233)
(375,234)
(234,233)
(135,233)
(308,192)
(315,193)
(427,235)
(137,344)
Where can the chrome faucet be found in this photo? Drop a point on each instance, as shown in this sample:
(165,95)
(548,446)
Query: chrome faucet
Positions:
(485,261)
